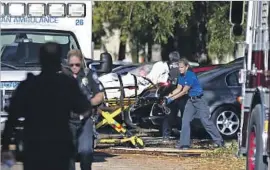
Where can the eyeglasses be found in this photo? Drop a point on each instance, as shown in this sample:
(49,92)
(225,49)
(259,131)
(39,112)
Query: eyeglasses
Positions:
(77,65)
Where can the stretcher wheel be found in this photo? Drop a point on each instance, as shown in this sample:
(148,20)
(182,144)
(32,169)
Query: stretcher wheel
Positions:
(139,143)
(136,143)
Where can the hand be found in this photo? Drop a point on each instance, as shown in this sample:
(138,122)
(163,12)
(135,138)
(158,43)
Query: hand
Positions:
(168,100)
(8,158)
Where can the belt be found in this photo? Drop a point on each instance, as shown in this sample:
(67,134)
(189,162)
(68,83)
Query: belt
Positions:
(76,117)
(196,97)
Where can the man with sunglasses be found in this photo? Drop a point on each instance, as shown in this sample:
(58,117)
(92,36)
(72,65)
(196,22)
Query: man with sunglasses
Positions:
(82,127)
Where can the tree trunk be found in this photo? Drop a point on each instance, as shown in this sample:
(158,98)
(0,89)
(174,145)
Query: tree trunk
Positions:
(201,17)
(122,51)
(149,51)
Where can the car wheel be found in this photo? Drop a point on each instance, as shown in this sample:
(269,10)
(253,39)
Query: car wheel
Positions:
(227,121)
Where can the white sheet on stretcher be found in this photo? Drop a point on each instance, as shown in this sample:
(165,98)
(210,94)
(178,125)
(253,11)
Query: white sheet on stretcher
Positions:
(158,74)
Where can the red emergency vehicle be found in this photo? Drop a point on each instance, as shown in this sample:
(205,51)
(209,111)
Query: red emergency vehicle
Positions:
(254,130)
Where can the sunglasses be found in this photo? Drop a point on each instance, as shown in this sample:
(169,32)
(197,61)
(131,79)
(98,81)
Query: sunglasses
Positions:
(77,65)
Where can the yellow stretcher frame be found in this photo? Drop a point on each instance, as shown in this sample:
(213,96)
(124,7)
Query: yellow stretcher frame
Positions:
(108,119)
(121,105)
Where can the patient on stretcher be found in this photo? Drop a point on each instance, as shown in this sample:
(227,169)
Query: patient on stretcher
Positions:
(158,74)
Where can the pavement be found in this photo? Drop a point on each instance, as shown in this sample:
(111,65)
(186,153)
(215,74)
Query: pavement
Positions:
(105,161)
(155,156)
(148,158)
(108,160)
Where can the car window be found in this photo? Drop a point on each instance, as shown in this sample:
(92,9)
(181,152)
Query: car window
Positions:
(232,79)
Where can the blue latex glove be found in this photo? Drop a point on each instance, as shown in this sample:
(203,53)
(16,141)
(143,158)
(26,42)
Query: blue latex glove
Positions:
(168,100)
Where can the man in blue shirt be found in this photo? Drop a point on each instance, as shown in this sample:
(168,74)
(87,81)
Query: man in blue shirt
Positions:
(188,83)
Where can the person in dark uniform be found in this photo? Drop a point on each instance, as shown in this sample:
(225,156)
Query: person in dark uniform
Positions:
(82,128)
(175,106)
(45,101)
(195,105)
(178,104)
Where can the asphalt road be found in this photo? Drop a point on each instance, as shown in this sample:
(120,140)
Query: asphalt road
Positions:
(108,161)
(125,159)
(105,161)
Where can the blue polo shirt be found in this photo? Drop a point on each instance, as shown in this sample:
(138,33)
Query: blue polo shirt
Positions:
(190,79)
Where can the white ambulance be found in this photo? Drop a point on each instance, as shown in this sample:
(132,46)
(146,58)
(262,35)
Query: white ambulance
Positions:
(26,25)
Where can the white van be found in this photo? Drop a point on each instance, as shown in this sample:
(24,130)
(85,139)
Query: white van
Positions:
(26,25)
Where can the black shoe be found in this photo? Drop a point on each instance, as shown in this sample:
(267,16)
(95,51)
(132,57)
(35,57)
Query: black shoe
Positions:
(184,147)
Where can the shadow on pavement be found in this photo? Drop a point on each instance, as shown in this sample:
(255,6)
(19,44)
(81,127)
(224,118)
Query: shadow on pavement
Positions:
(102,156)
(200,140)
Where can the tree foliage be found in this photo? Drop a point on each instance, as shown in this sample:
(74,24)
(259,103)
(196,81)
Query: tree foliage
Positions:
(143,19)
(218,26)
(155,22)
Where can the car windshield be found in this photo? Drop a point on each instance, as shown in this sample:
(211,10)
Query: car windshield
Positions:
(20,48)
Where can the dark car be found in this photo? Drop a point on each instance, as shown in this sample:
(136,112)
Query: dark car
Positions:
(237,60)
(200,69)
(221,90)
(96,66)
(124,69)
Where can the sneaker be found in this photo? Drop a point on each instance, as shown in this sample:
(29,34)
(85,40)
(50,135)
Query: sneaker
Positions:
(165,140)
(182,147)
(219,145)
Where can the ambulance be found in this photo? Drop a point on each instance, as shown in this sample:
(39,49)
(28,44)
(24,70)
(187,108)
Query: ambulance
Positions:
(26,25)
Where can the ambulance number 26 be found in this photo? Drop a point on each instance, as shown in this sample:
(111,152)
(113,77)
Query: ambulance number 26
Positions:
(79,22)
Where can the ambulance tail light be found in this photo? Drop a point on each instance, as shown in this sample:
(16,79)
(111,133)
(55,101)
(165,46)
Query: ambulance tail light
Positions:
(76,10)
(36,9)
(240,99)
(2,9)
(16,9)
(56,10)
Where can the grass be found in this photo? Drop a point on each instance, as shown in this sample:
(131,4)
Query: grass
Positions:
(223,158)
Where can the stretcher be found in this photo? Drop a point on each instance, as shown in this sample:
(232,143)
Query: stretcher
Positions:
(113,108)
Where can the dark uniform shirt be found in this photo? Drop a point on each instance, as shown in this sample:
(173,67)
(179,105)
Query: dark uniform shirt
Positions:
(190,79)
(174,72)
(89,85)
(45,101)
